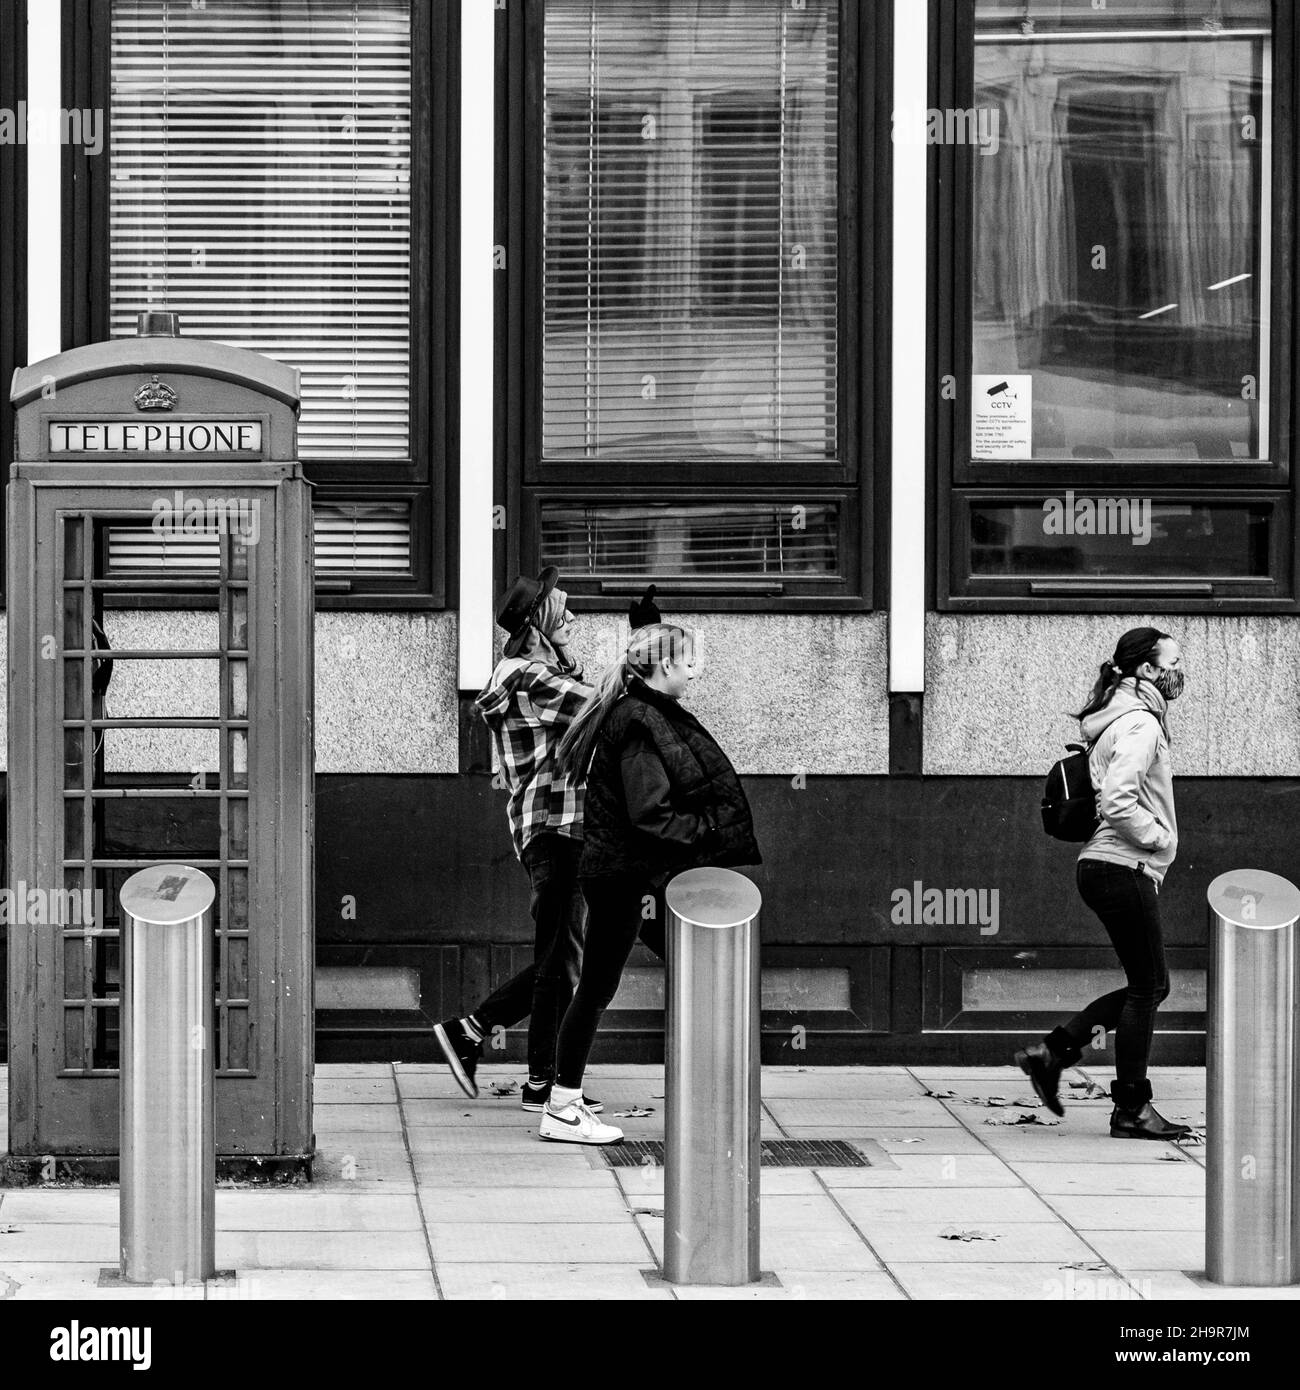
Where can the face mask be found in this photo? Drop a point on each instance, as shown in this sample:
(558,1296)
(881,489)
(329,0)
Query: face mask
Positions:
(1170,683)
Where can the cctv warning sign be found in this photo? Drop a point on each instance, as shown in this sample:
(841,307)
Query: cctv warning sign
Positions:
(1002,417)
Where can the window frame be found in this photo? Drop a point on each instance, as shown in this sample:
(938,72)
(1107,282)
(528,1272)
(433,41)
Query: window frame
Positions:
(13,248)
(427,477)
(959,480)
(854,481)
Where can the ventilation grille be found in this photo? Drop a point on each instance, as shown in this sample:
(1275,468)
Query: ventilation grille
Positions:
(776,1153)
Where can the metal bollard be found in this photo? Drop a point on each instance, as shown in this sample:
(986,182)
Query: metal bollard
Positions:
(1252,1218)
(168,1163)
(712,1153)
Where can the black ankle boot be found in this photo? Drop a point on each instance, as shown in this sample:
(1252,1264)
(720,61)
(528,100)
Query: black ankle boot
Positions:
(1043,1068)
(1134,1117)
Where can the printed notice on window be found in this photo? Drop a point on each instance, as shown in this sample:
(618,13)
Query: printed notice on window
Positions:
(1002,417)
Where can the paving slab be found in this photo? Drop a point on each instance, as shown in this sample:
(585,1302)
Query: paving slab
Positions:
(76,1243)
(530,1205)
(795,1286)
(364,1070)
(26,1206)
(339,1250)
(431,1140)
(1030,1143)
(1151,1249)
(1177,1179)
(542,1282)
(512,1242)
(926,1170)
(352,1090)
(1150,1213)
(960,1206)
(828,1243)
(1014,1242)
(1174,1284)
(388,1285)
(949,1139)
(545,1169)
(29,1281)
(867,1112)
(331,1120)
(648,1180)
(1023,1280)
(832,1084)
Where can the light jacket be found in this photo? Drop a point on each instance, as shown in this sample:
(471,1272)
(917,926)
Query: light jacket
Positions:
(1134,781)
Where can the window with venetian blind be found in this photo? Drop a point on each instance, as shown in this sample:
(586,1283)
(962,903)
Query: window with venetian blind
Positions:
(690,303)
(261,185)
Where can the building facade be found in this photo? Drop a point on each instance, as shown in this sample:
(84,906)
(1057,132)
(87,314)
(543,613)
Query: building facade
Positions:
(914,350)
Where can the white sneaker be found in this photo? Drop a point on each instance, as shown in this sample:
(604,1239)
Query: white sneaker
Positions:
(575,1124)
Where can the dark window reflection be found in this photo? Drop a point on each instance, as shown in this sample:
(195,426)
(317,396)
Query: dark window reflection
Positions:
(1119,224)
(1167,540)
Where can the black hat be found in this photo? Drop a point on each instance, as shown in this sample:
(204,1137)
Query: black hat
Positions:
(519,607)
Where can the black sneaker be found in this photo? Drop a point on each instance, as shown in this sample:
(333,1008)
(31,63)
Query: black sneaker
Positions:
(461,1051)
(535,1097)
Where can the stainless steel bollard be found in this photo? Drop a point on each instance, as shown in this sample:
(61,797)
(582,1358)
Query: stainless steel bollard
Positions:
(712,1153)
(168,1161)
(1252,1218)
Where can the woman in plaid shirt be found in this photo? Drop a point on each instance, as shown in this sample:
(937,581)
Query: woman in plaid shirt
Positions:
(528,704)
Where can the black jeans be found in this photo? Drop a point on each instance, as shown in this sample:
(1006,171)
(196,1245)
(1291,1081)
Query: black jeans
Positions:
(1128,903)
(616,916)
(541,991)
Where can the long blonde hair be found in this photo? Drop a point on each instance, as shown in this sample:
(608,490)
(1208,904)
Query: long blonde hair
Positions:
(645,649)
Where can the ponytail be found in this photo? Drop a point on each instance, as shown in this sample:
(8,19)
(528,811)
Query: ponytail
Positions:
(1134,649)
(645,649)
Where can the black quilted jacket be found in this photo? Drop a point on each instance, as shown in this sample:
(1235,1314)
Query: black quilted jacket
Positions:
(661,795)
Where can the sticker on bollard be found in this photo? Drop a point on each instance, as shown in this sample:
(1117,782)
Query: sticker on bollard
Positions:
(167,895)
(711,1144)
(713,898)
(1252,1197)
(1254,898)
(168,1137)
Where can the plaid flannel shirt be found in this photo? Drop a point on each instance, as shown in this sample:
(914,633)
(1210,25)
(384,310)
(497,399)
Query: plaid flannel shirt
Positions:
(528,706)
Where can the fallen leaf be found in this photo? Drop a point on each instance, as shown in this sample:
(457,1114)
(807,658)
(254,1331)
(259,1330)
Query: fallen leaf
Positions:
(1032,1118)
(504,1088)
(646,1211)
(1090,1089)
(955,1233)
(635,1113)
(941,1095)
(10,1230)
(1197,1136)
(893,1139)
(1085,1265)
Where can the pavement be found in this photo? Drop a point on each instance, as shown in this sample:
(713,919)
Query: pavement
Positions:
(420,1193)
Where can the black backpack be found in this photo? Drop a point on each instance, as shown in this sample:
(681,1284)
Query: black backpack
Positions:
(1069,798)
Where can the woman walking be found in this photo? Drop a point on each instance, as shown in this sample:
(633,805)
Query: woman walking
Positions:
(528,704)
(661,797)
(1119,874)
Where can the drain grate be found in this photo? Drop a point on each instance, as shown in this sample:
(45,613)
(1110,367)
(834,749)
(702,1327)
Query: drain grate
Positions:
(777,1153)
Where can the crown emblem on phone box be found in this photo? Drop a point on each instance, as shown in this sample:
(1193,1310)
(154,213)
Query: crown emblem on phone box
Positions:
(155,395)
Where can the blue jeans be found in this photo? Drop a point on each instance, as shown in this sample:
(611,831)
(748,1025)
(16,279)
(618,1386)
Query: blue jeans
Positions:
(541,991)
(1128,904)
